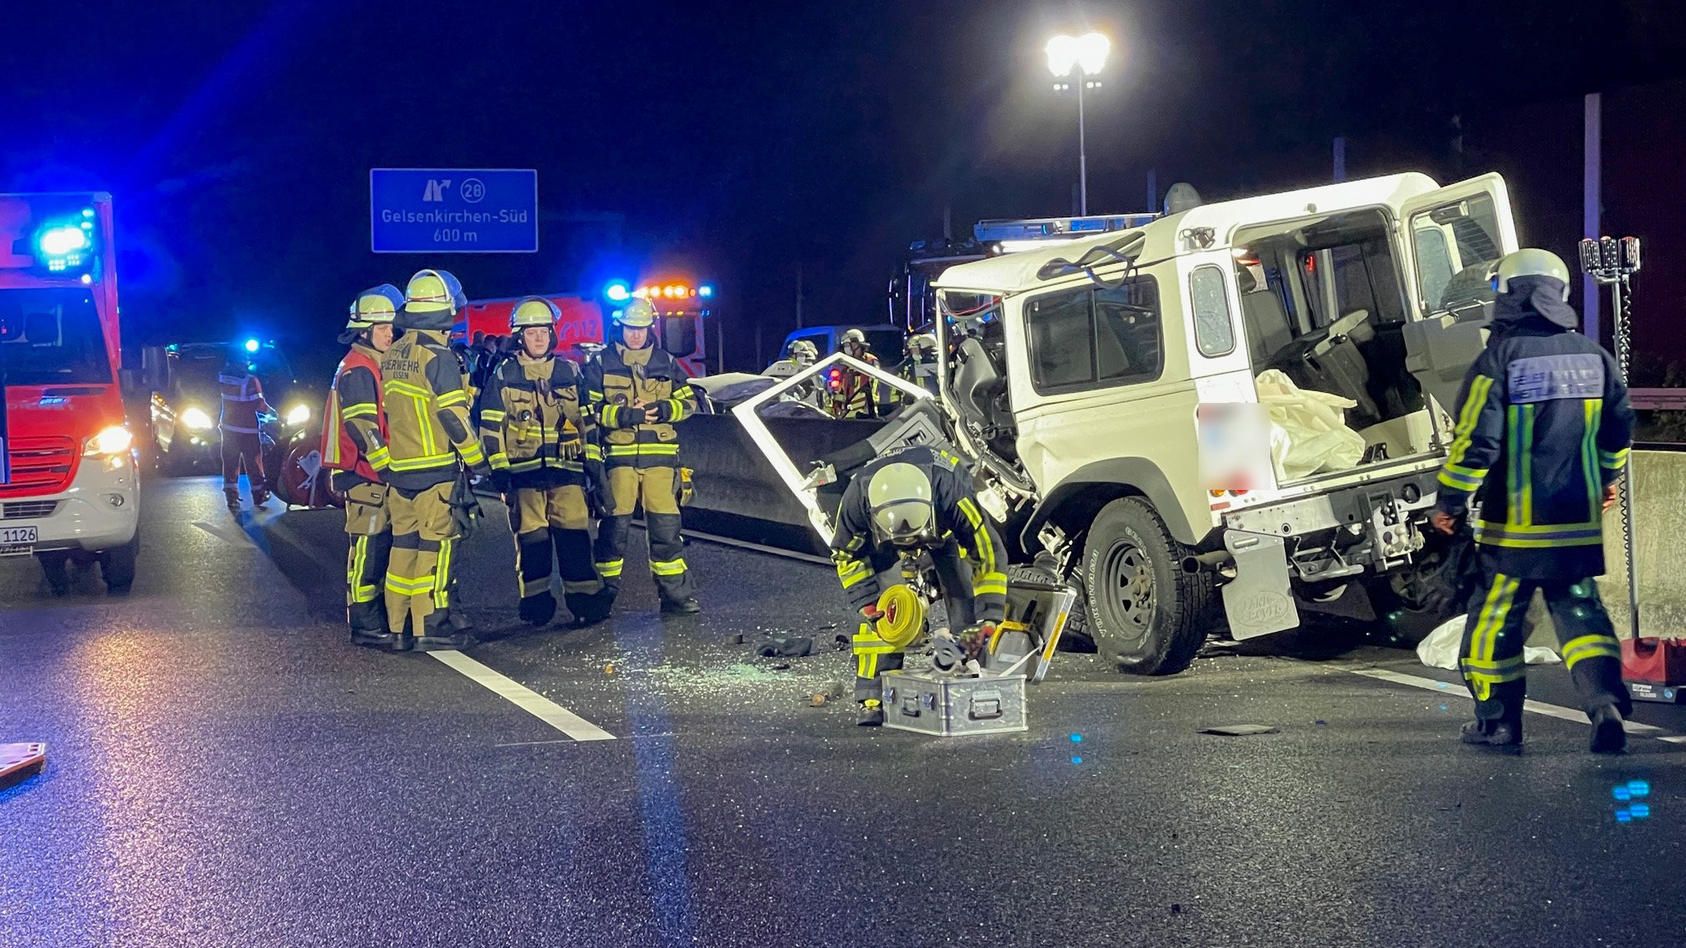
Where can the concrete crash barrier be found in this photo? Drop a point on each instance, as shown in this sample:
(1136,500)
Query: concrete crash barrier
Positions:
(1659,524)
(738,493)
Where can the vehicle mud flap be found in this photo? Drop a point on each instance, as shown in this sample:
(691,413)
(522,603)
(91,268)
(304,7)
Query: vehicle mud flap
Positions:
(1259,600)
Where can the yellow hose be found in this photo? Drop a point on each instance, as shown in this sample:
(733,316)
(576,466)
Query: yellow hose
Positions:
(904,616)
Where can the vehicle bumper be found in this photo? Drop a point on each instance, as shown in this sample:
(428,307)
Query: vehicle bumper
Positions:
(99,510)
(1368,528)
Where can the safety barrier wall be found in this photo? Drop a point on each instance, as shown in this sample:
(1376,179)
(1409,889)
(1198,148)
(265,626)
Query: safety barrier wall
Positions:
(738,494)
(1659,539)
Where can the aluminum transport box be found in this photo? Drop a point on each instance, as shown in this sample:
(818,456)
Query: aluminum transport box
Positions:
(948,706)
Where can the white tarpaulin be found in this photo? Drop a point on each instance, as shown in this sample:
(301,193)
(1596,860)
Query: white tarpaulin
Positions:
(1308,432)
(1440,649)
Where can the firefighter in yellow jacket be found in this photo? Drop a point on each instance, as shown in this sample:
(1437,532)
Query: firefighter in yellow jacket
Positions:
(535,440)
(430,440)
(636,393)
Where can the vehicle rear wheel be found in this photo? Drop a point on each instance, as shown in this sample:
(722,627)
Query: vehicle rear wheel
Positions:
(1144,612)
(1403,606)
(117,566)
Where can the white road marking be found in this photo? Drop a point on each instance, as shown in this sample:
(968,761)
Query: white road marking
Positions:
(1538,707)
(524,698)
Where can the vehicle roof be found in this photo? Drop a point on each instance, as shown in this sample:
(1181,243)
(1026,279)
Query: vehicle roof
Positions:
(1013,272)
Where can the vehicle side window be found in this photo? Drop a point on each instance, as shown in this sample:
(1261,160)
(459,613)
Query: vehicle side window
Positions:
(1061,339)
(1214,334)
(1127,330)
(1091,338)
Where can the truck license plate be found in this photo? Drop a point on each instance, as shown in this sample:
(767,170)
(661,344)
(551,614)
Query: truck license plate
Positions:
(17,541)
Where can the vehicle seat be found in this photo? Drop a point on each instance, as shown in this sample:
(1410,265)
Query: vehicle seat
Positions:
(979,385)
(1268,330)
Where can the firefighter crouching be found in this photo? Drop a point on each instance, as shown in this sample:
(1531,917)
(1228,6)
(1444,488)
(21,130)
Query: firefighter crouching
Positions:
(636,393)
(353,438)
(239,424)
(1544,429)
(425,398)
(535,440)
(916,500)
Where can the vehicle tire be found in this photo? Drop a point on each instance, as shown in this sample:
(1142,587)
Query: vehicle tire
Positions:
(1404,619)
(1144,612)
(1076,637)
(117,566)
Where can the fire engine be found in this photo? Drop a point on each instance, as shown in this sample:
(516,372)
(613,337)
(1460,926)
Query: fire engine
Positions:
(69,484)
(682,311)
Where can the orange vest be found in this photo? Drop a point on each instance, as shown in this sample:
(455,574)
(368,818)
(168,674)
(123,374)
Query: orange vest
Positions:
(339,452)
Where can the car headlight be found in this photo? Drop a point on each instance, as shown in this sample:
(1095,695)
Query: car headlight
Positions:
(298,415)
(114,440)
(196,419)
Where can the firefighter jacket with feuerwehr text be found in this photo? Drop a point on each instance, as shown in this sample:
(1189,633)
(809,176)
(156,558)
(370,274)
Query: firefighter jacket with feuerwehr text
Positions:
(425,398)
(1543,426)
(353,425)
(958,516)
(531,424)
(635,397)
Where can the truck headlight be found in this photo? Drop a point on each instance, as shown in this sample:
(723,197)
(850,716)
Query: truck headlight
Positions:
(115,440)
(298,415)
(196,420)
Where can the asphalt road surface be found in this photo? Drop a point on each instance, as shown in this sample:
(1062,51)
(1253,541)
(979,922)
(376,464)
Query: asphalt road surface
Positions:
(225,769)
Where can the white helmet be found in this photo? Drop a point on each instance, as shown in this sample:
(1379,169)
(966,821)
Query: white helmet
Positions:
(803,351)
(899,499)
(924,341)
(1531,262)
(854,337)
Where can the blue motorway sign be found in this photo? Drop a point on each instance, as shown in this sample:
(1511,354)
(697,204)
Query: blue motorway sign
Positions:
(453,210)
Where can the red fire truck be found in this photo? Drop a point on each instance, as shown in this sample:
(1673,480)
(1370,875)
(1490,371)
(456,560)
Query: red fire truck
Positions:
(69,483)
(682,310)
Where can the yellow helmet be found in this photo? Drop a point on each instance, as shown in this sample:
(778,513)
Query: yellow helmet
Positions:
(638,314)
(375,306)
(534,311)
(432,291)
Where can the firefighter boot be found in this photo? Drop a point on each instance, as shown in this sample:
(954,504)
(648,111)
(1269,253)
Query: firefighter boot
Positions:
(590,608)
(368,625)
(1609,735)
(871,713)
(1493,733)
(260,496)
(440,634)
(232,494)
(538,610)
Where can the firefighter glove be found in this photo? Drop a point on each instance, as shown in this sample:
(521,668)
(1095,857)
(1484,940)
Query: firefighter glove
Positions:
(630,417)
(660,412)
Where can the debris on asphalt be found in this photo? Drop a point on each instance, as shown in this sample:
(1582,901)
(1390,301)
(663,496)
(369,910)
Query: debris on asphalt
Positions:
(796,646)
(1240,730)
(736,638)
(831,692)
(609,669)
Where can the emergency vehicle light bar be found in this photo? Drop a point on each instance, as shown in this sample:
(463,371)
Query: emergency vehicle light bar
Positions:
(1057,227)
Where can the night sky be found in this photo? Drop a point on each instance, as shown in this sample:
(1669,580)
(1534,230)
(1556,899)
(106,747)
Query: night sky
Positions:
(742,142)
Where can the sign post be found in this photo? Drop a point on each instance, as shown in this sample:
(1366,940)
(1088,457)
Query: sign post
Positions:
(453,210)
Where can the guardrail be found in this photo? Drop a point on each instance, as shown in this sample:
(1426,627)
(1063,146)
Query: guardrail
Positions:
(1658,399)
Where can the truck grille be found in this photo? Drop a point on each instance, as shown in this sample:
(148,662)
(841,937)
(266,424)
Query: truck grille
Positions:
(39,466)
(28,509)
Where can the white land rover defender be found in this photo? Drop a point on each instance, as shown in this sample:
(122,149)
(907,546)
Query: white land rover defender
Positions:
(1096,383)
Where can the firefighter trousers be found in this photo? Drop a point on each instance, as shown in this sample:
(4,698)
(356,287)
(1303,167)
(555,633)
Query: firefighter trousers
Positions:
(552,526)
(419,574)
(243,448)
(657,488)
(369,525)
(1492,661)
(873,655)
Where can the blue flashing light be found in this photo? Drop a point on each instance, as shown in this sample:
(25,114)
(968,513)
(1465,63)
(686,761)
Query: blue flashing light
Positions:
(1640,811)
(1622,794)
(617,291)
(705,291)
(1639,788)
(88,213)
(62,241)
(1077,738)
(251,345)
(1623,816)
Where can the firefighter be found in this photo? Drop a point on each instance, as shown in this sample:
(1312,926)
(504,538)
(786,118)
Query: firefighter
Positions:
(797,356)
(912,501)
(353,433)
(857,395)
(242,403)
(1543,432)
(535,439)
(429,442)
(920,365)
(636,393)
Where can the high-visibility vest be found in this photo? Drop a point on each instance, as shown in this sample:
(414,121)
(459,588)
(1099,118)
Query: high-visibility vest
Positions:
(339,451)
(242,400)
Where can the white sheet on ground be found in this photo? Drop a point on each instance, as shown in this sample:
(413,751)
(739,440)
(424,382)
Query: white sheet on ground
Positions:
(1440,649)
(1308,432)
